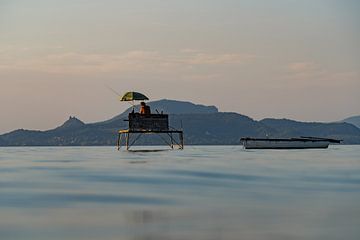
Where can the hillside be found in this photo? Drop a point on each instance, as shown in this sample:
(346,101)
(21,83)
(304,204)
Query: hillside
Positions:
(170,107)
(355,120)
(202,125)
(290,128)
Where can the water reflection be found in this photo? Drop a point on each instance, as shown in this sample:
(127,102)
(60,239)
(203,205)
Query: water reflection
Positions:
(145,217)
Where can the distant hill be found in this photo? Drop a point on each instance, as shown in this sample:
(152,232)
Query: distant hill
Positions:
(218,128)
(171,107)
(355,120)
(290,128)
(179,107)
(203,125)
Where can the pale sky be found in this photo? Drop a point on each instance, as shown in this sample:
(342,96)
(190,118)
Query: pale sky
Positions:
(297,59)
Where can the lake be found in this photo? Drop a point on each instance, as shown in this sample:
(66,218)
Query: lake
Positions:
(202,192)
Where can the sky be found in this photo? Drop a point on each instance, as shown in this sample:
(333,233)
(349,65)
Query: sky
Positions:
(297,59)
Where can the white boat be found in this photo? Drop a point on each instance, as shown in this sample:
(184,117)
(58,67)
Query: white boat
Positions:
(287,143)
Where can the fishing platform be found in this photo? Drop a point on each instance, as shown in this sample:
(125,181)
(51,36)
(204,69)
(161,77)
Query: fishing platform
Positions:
(142,124)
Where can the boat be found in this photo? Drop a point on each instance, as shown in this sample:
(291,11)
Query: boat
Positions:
(287,143)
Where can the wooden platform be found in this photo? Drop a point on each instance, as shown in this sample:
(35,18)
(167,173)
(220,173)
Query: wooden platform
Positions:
(169,138)
(140,124)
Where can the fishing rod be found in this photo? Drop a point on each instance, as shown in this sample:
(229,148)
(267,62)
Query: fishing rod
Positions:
(112,90)
(117,94)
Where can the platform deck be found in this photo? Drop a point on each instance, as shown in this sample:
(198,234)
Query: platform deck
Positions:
(171,142)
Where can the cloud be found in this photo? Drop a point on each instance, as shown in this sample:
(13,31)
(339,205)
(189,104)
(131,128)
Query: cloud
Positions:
(302,66)
(189,50)
(218,59)
(308,73)
(305,70)
(81,63)
(131,61)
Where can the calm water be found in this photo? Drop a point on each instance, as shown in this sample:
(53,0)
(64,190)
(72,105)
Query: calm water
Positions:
(199,193)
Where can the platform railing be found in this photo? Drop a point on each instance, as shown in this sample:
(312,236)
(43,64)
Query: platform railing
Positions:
(140,124)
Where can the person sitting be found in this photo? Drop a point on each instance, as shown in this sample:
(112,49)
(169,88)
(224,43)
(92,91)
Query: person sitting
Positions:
(147,110)
(144,109)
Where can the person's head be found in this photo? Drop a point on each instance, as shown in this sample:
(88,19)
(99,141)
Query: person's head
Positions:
(142,104)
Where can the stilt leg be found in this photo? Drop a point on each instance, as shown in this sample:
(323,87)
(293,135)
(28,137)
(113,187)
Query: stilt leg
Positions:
(172,141)
(127,140)
(118,141)
(181,140)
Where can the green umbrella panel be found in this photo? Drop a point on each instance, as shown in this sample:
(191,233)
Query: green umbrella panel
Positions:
(134,96)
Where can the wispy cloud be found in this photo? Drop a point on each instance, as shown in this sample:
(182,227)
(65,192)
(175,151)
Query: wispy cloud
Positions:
(309,73)
(218,59)
(133,61)
(302,67)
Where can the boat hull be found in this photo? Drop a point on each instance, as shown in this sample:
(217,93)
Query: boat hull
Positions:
(284,144)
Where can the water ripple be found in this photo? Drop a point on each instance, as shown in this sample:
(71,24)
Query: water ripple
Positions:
(64,199)
(219,176)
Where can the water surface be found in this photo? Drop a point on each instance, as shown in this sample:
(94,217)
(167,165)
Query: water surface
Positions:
(202,192)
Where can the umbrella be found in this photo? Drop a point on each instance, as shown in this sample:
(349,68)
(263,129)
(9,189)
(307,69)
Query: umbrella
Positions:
(134,96)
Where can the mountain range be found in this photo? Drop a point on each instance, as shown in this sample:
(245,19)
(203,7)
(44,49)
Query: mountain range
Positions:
(355,120)
(202,125)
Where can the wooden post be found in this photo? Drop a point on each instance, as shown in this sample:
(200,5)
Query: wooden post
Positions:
(181,140)
(172,141)
(118,141)
(127,140)
(120,138)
